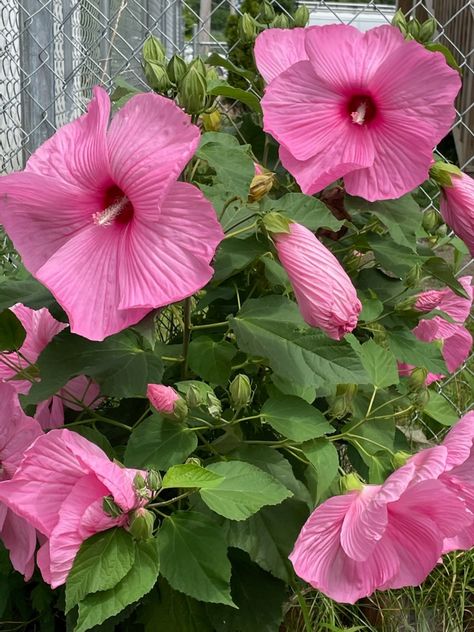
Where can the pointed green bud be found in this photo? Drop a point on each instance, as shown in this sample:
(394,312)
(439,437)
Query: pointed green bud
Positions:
(442,173)
(417,378)
(141,524)
(414,276)
(153,51)
(111,508)
(153,480)
(431,220)
(414,27)
(301,16)
(276,223)
(427,30)
(157,77)
(247,28)
(213,405)
(400,458)
(348,390)
(399,20)
(200,66)
(422,398)
(193,460)
(212,75)
(407,305)
(194,398)
(139,482)
(176,69)
(240,391)
(350,482)
(193,91)
(281,22)
(267,12)
(180,410)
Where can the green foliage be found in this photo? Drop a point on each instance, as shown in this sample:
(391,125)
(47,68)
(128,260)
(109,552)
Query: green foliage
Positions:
(12,332)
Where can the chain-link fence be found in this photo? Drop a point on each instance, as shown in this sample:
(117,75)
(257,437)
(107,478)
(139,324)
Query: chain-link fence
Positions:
(54,51)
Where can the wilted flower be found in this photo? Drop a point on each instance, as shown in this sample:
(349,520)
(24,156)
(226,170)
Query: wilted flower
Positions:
(123,237)
(17,432)
(59,488)
(457,208)
(325,294)
(368,107)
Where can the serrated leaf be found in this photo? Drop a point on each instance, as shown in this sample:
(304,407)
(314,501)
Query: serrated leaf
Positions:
(244,490)
(294,418)
(12,332)
(272,327)
(189,475)
(101,563)
(194,557)
(407,348)
(211,359)
(98,607)
(159,443)
(306,210)
(379,363)
(324,459)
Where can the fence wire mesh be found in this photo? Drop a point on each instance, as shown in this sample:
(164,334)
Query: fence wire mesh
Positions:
(53,51)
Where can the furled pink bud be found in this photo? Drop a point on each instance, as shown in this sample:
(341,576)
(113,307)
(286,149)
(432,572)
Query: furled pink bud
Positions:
(325,294)
(457,208)
(162,398)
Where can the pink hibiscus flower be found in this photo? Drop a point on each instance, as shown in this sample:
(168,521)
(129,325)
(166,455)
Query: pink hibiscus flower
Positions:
(59,489)
(368,107)
(99,218)
(40,329)
(456,339)
(17,432)
(384,536)
(325,294)
(457,208)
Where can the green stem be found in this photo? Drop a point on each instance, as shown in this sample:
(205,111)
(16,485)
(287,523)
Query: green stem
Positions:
(240,230)
(227,204)
(105,420)
(304,609)
(224,323)
(171,500)
(186,335)
(371,403)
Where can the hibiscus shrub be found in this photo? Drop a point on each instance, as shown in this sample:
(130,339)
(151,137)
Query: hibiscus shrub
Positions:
(213,354)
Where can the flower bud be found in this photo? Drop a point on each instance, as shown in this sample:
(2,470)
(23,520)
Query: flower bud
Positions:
(414,276)
(400,458)
(212,75)
(431,220)
(153,51)
(350,482)
(194,398)
(422,397)
(141,524)
(110,507)
(261,185)
(427,31)
(399,20)
(153,480)
(139,482)
(199,65)
(211,121)
(193,460)
(281,22)
(417,378)
(167,401)
(267,12)
(247,28)
(414,27)
(193,90)
(276,223)
(213,404)
(407,305)
(301,16)
(240,391)
(176,69)
(157,77)
(442,173)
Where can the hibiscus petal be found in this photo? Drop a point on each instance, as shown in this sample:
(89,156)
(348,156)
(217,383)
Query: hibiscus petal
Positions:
(84,277)
(77,153)
(150,141)
(277,49)
(19,538)
(50,413)
(447,301)
(168,260)
(459,441)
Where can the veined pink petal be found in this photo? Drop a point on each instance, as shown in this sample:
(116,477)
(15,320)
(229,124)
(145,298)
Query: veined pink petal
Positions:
(457,208)
(325,294)
(459,442)
(150,140)
(447,301)
(19,538)
(50,413)
(165,261)
(277,49)
(457,341)
(162,398)
(77,153)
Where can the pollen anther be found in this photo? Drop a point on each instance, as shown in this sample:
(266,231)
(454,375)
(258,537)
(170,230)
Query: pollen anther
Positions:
(107,216)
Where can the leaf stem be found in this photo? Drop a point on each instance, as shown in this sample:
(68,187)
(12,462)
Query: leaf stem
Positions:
(241,230)
(224,323)
(186,335)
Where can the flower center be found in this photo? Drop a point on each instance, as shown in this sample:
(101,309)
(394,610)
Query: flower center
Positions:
(361,108)
(116,208)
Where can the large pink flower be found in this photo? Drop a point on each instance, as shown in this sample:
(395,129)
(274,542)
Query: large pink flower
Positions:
(40,329)
(59,489)
(457,208)
(99,218)
(456,339)
(17,432)
(384,536)
(325,294)
(368,107)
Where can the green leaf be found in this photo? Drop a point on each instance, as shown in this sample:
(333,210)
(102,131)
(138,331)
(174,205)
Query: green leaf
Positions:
(294,418)
(99,606)
(12,332)
(306,210)
(233,165)
(190,475)
(174,611)
(101,563)
(27,291)
(244,490)
(211,360)
(373,435)
(159,443)
(407,348)
(119,364)
(402,217)
(272,327)
(391,256)
(223,89)
(450,59)
(269,536)
(439,409)
(235,254)
(216,60)
(372,307)
(324,460)
(441,270)
(194,557)
(379,363)
(123,92)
